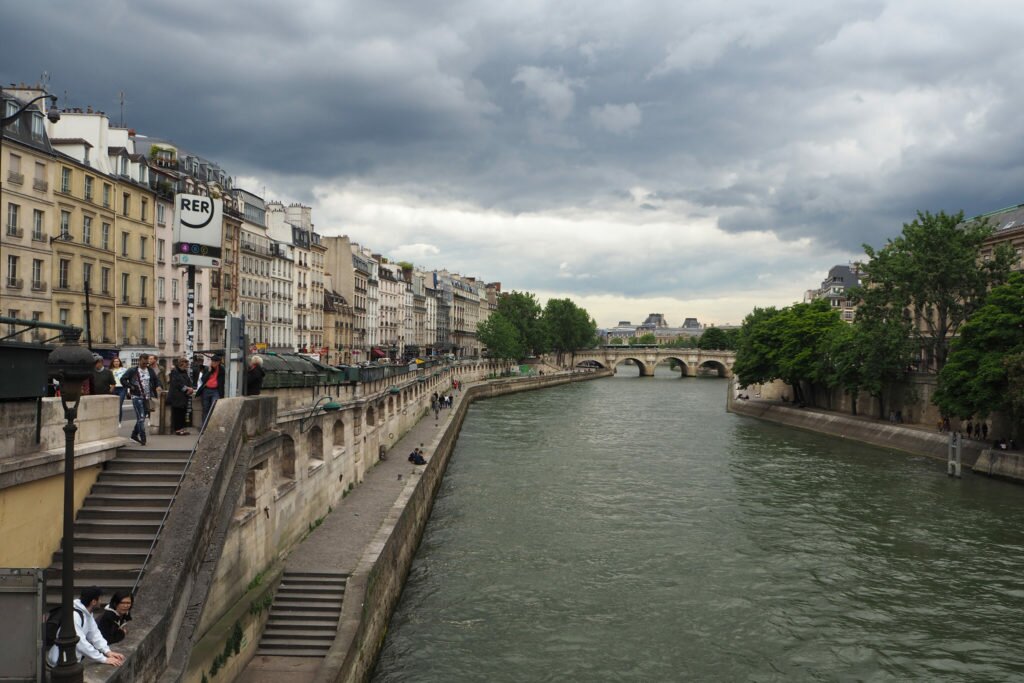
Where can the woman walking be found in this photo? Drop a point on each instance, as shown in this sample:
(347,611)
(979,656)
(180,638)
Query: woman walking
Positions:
(118,368)
(179,395)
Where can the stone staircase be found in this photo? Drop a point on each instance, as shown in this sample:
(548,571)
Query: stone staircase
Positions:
(118,521)
(304,616)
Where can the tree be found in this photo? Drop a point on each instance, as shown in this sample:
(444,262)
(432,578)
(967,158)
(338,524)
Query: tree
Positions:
(757,350)
(984,372)
(648,338)
(567,326)
(714,338)
(803,351)
(524,312)
(616,341)
(934,269)
(501,337)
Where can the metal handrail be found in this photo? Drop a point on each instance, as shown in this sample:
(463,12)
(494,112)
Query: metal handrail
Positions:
(177,488)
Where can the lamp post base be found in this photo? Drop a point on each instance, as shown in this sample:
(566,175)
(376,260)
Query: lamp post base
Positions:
(68,669)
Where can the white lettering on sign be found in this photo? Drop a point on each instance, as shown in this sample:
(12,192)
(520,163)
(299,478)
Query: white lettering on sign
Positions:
(196,212)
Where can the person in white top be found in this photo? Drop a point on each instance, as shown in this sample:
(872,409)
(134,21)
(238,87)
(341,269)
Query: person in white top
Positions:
(91,644)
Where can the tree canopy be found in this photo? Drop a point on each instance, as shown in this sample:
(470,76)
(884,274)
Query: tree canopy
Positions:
(715,338)
(568,327)
(524,312)
(933,268)
(985,370)
(501,337)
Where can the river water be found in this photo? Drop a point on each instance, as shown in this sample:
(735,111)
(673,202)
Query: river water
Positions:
(629,529)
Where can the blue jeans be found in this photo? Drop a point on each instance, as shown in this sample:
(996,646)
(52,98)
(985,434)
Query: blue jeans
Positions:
(209,397)
(140,418)
(121,393)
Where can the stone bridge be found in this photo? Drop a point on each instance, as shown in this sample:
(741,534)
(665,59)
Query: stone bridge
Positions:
(646,357)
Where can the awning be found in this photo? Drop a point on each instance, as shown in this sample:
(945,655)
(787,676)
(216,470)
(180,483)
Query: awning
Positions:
(378,353)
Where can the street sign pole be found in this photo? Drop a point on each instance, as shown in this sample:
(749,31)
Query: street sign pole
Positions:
(190,331)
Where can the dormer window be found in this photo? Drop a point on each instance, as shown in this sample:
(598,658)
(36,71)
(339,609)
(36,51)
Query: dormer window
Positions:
(38,129)
(124,166)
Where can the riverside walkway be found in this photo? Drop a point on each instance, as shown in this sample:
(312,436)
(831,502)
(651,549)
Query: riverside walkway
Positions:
(338,544)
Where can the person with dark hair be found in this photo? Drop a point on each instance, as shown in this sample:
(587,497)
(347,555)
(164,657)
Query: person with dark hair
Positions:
(91,643)
(116,615)
(143,385)
(211,384)
(179,395)
(102,378)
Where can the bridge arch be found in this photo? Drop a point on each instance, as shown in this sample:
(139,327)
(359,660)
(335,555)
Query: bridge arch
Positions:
(687,368)
(644,370)
(716,365)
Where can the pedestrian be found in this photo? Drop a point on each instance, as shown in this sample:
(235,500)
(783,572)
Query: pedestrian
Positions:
(211,384)
(179,395)
(102,378)
(118,369)
(117,613)
(254,376)
(984,431)
(91,643)
(143,387)
(970,429)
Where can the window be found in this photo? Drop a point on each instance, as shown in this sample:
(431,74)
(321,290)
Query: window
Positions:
(65,180)
(160,289)
(37,274)
(124,330)
(174,330)
(38,128)
(160,250)
(87,274)
(124,169)
(87,229)
(39,182)
(12,218)
(12,270)
(106,327)
(145,208)
(124,244)
(105,280)
(14,171)
(143,328)
(37,225)
(142,248)
(143,287)
(106,195)
(105,235)
(124,288)
(126,203)
(88,187)
(199,331)
(12,110)
(65,316)
(65,225)
(174,290)
(63,272)
(160,326)
(160,214)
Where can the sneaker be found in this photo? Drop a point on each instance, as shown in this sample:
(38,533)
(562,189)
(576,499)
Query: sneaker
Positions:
(143,441)
(135,437)
(118,425)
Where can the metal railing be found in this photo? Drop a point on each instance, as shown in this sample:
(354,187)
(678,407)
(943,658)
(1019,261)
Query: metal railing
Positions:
(177,487)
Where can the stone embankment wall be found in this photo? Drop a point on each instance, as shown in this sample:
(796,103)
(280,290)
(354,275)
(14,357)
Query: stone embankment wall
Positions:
(376,585)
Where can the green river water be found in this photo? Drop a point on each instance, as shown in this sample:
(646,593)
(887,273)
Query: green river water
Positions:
(629,529)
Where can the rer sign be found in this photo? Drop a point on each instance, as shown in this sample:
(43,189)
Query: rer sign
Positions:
(198,223)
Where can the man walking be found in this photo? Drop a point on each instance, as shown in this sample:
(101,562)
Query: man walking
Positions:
(142,384)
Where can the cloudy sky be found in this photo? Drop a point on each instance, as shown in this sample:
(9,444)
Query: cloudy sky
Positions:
(695,159)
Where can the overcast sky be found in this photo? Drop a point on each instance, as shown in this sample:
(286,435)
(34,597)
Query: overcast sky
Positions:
(695,159)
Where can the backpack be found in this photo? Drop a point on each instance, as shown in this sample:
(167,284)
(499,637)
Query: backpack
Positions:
(52,625)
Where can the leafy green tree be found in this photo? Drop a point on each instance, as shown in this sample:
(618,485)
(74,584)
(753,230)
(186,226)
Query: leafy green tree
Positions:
(648,338)
(803,353)
(933,268)
(757,350)
(523,310)
(568,327)
(713,338)
(501,337)
(683,341)
(985,370)
(616,341)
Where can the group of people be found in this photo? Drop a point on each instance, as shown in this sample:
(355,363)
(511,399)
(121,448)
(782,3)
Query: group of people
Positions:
(438,401)
(95,636)
(416,457)
(972,430)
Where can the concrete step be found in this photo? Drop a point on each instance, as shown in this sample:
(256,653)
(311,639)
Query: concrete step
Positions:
(302,576)
(124,464)
(122,499)
(333,597)
(292,615)
(130,488)
(134,451)
(303,605)
(313,635)
(100,568)
(125,524)
(87,554)
(131,538)
(287,652)
(115,514)
(318,626)
(134,476)
(300,584)
(296,643)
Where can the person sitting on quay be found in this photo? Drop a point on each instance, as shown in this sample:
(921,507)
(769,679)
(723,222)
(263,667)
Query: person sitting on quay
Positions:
(91,643)
(416,457)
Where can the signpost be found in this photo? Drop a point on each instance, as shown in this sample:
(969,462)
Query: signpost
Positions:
(198,227)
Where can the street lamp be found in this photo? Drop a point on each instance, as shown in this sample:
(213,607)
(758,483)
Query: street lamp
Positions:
(52,113)
(71,364)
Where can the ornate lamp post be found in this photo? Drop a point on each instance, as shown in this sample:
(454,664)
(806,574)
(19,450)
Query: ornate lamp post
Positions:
(71,364)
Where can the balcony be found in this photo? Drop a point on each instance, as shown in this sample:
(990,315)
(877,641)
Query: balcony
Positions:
(38,286)
(15,231)
(40,184)
(15,283)
(38,237)
(144,342)
(15,178)
(144,301)
(124,341)
(161,299)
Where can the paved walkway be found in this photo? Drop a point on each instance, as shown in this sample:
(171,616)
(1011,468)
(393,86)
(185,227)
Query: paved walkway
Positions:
(338,544)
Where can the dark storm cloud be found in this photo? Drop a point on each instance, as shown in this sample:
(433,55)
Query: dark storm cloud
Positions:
(830,120)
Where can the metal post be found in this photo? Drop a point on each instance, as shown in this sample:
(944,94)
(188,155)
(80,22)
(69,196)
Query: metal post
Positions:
(68,667)
(953,454)
(190,331)
(88,319)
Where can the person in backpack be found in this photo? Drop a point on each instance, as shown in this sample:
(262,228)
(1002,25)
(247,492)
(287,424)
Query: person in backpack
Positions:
(91,644)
